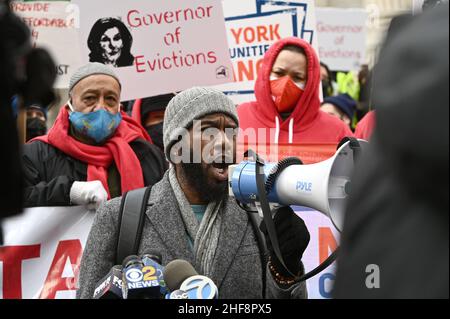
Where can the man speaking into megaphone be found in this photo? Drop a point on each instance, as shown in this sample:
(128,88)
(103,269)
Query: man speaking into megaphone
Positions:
(189,215)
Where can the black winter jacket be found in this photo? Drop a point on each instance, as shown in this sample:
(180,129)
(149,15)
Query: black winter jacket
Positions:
(50,173)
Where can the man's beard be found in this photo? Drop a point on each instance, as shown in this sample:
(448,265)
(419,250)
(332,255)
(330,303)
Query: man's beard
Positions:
(197,178)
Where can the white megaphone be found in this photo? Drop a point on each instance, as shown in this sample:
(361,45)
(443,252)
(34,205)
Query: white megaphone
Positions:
(323,186)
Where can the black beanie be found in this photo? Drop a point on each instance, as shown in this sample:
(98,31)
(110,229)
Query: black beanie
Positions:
(344,102)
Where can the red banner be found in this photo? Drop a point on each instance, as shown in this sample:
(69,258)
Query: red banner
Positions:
(308,153)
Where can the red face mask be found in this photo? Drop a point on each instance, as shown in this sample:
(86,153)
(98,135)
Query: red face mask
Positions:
(286,94)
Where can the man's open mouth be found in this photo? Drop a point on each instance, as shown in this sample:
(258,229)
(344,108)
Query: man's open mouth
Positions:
(220,170)
(220,166)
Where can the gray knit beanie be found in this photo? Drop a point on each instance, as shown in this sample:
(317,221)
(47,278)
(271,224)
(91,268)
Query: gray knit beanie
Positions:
(88,70)
(191,105)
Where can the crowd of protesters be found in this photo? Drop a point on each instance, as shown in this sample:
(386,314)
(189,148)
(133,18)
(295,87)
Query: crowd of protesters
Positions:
(98,149)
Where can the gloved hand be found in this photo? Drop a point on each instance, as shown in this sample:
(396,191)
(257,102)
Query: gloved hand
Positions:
(89,194)
(293,238)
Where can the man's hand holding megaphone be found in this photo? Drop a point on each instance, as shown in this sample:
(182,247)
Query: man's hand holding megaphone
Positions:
(293,238)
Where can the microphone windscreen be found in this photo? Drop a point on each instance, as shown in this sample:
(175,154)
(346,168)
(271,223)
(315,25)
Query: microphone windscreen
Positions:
(155,256)
(176,272)
(132,258)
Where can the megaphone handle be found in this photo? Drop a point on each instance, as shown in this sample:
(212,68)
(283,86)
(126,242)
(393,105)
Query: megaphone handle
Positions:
(272,208)
(321,267)
(267,214)
(265,207)
(260,210)
(355,146)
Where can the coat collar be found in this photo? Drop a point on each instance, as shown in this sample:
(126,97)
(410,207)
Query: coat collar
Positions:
(234,226)
(165,216)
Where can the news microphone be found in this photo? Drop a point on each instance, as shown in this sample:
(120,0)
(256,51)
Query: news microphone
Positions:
(152,259)
(177,295)
(180,275)
(139,281)
(110,286)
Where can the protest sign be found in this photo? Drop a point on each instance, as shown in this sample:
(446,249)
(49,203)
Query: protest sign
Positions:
(324,241)
(255,25)
(158,46)
(42,251)
(342,37)
(53,27)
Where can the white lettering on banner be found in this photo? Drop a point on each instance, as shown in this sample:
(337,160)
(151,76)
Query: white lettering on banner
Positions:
(42,252)
(68,270)
(172,27)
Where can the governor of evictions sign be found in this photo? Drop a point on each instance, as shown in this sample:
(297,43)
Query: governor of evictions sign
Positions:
(157,46)
(342,37)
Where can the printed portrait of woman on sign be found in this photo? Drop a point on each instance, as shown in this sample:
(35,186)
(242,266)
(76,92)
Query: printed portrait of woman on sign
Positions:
(110,43)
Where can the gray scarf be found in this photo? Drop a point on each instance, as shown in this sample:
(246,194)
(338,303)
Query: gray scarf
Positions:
(205,234)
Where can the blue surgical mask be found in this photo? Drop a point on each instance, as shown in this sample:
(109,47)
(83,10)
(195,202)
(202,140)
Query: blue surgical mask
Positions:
(98,126)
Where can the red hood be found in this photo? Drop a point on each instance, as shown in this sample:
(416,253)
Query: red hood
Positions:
(308,106)
(136,111)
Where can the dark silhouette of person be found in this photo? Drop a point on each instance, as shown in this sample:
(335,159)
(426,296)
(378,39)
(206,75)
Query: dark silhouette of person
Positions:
(395,241)
(110,43)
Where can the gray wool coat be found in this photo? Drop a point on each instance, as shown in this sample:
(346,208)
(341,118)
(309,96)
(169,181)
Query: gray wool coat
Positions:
(237,269)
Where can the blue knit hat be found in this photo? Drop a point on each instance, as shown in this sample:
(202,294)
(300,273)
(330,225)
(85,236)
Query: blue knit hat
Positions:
(343,102)
(38,108)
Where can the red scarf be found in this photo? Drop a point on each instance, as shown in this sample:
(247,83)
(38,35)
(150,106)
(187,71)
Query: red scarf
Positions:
(99,158)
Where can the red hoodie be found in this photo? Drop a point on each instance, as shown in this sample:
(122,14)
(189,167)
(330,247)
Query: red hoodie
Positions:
(366,126)
(307,124)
